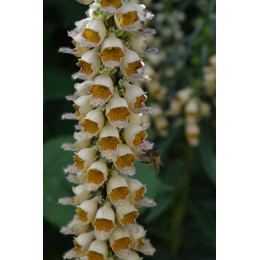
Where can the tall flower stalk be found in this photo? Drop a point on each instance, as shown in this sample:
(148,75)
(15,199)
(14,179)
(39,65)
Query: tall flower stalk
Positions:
(111,134)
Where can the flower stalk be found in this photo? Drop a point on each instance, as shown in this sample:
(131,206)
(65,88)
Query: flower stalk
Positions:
(109,107)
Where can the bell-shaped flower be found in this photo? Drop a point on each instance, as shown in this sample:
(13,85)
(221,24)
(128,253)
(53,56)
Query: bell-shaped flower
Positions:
(86,211)
(75,227)
(124,160)
(82,89)
(117,111)
(137,42)
(89,65)
(138,190)
(127,216)
(85,157)
(112,51)
(93,122)
(135,98)
(98,250)
(108,141)
(120,242)
(82,106)
(131,65)
(83,241)
(117,189)
(130,17)
(104,222)
(135,136)
(192,132)
(96,175)
(101,90)
(94,33)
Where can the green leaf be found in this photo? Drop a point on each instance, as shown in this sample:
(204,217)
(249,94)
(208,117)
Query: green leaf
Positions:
(147,175)
(174,176)
(208,155)
(55,183)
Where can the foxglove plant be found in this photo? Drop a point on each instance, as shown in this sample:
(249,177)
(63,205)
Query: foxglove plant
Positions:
(111,134)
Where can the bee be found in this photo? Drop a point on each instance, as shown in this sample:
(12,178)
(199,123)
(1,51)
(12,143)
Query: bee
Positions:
(152,157)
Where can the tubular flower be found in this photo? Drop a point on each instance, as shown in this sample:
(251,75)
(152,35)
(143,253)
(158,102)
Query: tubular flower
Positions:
(110,133)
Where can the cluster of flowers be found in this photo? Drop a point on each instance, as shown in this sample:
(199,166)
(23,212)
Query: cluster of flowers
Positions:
(111,134)
(194,108)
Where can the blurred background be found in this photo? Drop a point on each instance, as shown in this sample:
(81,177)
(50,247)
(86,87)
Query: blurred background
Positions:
(183,95)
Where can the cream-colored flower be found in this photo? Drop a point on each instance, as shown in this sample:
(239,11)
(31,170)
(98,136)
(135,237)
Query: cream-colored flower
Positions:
(138,190)
(117,189)
(85,157)
(108,141)
(82,140)
(135,98)
(96,175)
(120,242)
(192,110)
(75,227)
(131,65)
(94,33)
(192,134)
(82,106)
(104,222)
(117,111)
(110,6)
(127,215)
(93,122)
(82,89)
(124,160)
(133,256)
(101,90)
(81,194)
(162,126)
(183,95)
(112,51)
(98,250)
(144,246)
(82,242)
(135,136)
(137,42)
(86,211)
(89,65)
(130,17)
